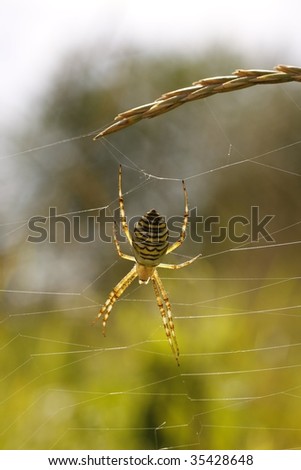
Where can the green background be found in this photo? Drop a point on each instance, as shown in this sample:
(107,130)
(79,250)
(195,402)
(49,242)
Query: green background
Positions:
(65,386)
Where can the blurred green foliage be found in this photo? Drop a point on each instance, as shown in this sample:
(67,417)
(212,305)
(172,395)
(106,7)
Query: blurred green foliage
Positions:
(63,385)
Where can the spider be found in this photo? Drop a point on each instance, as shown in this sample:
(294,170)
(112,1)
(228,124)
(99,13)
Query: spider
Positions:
(149,244)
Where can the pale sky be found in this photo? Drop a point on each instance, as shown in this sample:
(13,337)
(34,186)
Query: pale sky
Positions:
(35,35)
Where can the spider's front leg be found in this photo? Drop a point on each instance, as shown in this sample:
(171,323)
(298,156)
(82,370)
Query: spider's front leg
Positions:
(114,295)
(165,310)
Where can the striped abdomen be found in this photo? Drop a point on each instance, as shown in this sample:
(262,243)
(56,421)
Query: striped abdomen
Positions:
(150,239)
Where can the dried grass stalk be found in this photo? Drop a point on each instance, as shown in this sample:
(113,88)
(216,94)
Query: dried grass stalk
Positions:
(203,89)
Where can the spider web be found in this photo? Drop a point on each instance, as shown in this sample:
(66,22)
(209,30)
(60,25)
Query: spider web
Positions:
(236,309)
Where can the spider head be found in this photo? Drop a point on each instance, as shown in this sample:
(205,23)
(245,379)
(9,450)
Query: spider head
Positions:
(144,273)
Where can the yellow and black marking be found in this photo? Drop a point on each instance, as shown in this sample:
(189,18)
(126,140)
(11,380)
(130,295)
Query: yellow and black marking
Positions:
(150,239)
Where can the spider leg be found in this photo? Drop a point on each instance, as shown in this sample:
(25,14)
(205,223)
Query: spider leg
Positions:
(114,295)
(165,310)
(124,224)
(178,266)
(118,248)
(179,242)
